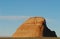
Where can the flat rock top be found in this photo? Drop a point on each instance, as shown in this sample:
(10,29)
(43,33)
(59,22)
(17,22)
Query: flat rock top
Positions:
(35,20)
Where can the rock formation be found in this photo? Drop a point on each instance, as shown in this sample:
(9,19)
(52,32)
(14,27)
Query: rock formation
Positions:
(34,27)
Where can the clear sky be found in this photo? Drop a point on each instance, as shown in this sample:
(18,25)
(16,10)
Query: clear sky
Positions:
(14,12)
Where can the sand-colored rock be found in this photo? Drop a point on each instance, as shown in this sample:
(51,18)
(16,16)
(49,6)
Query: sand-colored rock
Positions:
(33,27)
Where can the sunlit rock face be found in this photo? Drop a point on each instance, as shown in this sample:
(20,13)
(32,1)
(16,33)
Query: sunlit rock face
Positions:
(34,27)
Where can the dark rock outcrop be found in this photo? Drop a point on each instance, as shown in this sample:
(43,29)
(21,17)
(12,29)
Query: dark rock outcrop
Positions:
(47,32)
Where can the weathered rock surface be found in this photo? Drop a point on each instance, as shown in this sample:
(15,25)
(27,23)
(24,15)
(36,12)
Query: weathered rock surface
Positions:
(34,27)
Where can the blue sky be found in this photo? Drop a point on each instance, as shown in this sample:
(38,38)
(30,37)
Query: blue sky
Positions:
(14,12)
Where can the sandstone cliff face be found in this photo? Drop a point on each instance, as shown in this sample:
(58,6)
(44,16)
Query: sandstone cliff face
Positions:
(34,27)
